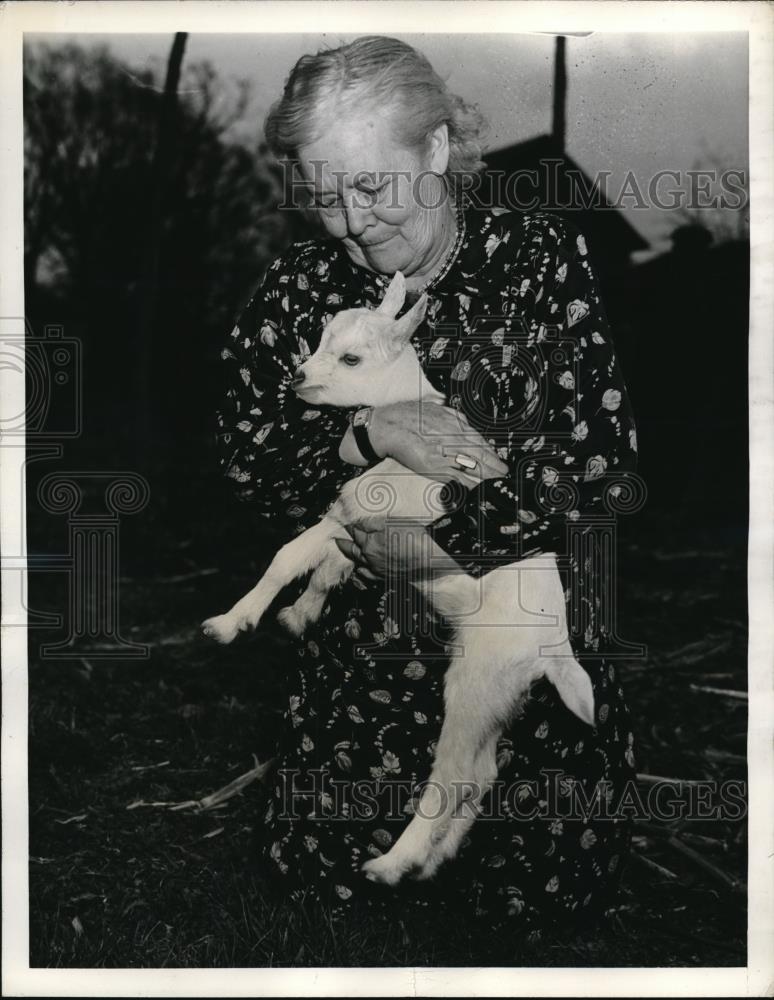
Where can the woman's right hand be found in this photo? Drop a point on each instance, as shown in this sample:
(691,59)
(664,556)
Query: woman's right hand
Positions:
(426,438)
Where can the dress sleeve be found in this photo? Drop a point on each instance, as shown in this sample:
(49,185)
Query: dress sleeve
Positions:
(280,453)
(583,442)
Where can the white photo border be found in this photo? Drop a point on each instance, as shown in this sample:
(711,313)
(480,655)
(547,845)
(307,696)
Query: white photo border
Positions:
(358,17)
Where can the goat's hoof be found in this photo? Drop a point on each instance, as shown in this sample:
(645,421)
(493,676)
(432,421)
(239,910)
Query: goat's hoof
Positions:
(427,870)
(221,628)
(292,620)
(383,870)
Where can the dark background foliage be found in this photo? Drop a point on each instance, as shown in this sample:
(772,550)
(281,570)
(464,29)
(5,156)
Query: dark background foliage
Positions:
(147,227)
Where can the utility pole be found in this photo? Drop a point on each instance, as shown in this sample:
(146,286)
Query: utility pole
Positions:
(560,93)
(147,306)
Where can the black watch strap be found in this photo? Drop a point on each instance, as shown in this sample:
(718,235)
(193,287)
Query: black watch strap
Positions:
(363,442)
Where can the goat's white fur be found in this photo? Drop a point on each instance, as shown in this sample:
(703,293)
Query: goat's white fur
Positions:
(509,626)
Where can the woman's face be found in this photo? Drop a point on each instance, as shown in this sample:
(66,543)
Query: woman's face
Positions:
(387,204)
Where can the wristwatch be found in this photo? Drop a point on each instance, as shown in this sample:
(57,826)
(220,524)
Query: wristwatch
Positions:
(360,424)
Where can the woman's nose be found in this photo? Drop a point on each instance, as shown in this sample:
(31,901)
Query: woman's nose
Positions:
(359,218)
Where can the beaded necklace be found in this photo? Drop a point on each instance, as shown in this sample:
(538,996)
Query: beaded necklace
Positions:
(450,257)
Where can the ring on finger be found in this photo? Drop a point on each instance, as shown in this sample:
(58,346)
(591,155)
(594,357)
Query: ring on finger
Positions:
(465,461)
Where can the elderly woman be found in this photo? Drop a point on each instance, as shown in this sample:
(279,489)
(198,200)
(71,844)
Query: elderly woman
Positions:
(517,340)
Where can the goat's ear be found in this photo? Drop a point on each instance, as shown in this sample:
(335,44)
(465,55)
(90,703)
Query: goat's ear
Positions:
(394,297)
(407,324)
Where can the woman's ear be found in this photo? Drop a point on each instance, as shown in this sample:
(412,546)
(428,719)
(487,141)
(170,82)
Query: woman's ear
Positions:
(439,149)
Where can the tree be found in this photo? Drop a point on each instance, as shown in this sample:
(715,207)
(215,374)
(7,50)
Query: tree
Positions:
(92,226)
(718,198)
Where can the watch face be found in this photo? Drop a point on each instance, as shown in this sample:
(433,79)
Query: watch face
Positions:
(362,417)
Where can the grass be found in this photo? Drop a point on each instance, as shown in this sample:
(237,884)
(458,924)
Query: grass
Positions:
(145,887)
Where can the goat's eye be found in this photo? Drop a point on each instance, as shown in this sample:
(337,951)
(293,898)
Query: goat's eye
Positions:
(350,359)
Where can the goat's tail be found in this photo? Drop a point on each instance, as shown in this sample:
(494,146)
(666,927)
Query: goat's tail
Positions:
(574,686)
(458,595)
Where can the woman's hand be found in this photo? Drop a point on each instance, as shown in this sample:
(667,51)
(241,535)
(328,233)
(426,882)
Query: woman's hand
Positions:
(395,550)
(427,437)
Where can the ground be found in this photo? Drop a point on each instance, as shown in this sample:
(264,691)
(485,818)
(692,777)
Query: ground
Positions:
(116,883)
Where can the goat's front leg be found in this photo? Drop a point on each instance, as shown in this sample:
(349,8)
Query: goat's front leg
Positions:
(292,561)
(334,569)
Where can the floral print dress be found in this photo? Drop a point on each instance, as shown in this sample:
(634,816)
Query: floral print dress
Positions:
(515,336)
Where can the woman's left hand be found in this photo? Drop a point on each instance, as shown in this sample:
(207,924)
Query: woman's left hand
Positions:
(395,549)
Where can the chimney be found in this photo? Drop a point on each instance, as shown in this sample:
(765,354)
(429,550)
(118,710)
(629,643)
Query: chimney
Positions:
(560,93)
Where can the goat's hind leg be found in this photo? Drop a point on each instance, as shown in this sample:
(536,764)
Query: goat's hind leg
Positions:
(447,810)
(334,569)
(457,780)
(447,839)
(447,788)
(291,562)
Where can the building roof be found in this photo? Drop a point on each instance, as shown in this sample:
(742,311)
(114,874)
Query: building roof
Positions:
(561,186)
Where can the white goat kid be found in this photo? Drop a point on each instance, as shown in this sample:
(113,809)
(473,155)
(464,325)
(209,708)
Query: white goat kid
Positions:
(509,627)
